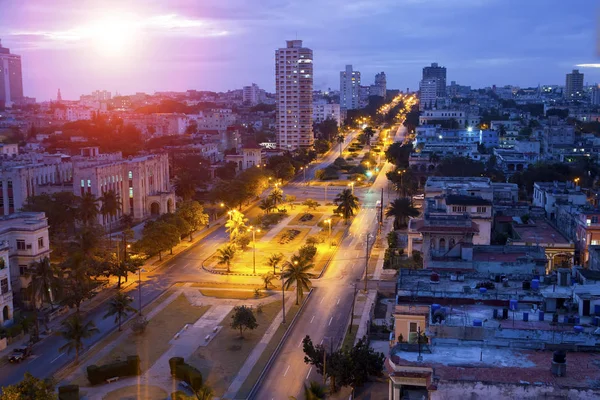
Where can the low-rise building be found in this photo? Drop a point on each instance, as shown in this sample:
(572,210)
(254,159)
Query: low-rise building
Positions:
(323,111)
(462,118)
(548,194)
(6,294)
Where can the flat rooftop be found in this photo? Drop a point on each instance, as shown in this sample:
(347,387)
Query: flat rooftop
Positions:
(539,232)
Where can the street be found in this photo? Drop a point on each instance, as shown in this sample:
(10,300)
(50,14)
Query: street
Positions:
(327,313)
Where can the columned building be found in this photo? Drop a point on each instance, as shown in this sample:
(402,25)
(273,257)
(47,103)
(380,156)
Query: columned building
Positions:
(294,87)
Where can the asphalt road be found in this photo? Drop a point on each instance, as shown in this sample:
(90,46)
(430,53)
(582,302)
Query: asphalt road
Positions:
(327,312)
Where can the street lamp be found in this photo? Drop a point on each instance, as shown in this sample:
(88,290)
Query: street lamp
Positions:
(328,222)
(351,184)
(401,172)
(282,296)
(140,270)
(576,180)
(254,248)
(303,169)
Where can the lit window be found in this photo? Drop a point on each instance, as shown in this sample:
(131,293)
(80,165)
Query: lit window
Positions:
(131,193)
(89,183)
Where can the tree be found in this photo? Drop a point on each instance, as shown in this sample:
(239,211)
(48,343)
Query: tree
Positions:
(44,282)
(296,272)
(347,203)
(276,196)
(158,236)
(185,186)
(226,255)
(274,261)
(267,279)
(119,306)
(78,285)
(369,133)
(88,209)
(266,204)
(322,146)
(111,204)
(243,319)
(328,128)
(401,209)
(193,213)
(236,225)
(340,139)
(204,393)
(74,331)
(29,388)
(307,252)
(314,391)
(311,204)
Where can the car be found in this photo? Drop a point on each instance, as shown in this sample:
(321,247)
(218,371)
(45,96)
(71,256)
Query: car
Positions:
(419,197)
(19,354)
(378,204)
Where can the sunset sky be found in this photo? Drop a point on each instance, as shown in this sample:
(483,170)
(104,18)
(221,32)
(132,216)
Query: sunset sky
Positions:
(154,45)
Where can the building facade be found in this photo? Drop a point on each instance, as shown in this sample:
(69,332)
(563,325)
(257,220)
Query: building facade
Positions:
(11,77)
(380,86)
(574,85)
(437,73)
(251,94)
(349,88)
(6,294)
(321,112)
(427,94)
(294,89)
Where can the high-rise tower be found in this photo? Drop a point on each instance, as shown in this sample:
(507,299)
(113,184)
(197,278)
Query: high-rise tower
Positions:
(11,77)
(294,86)
(349,88)
(439,74)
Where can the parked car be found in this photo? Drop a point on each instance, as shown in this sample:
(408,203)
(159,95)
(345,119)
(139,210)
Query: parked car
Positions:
(419,197)
(19,354)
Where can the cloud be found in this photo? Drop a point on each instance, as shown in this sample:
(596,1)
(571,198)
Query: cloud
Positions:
(588,65)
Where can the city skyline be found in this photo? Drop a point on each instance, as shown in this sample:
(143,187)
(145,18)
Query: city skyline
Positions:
(68,46)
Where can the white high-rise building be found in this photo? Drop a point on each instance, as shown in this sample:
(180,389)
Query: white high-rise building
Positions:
(380,86)
(11,78)
(349,88)
(427,94)
(323,111)
(294,87)
(251,94)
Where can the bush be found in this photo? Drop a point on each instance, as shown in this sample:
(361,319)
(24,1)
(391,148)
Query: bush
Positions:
(314,240)
(268,220)
(139,325)
(190,375)
(179,395)
(307,252)
(359,170)
(174,362)
(68,392)
(98,374)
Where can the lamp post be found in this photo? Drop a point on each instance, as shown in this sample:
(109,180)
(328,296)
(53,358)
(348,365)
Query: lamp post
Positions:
(401,172)
(282,296)
(304,173)
(254,248)
(351,184)
(328,222)
(367,262)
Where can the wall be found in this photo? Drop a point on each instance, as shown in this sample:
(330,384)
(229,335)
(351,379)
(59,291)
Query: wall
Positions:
(402,325)
(480,390)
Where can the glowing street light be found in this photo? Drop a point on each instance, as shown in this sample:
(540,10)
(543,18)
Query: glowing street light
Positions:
(351,184)
(254,248)
(328,222)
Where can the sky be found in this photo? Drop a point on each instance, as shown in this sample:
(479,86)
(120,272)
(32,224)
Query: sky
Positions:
(158,45)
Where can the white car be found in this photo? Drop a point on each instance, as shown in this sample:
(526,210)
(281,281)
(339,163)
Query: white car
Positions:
(419,197)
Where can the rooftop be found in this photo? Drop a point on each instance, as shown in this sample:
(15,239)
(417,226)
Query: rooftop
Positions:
(456,199)
(540,232)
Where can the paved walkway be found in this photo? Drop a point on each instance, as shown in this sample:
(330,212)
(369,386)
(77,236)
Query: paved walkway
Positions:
(258,350)
(365,315)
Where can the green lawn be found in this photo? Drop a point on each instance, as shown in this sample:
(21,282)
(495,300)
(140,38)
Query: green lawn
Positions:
(350,336)
(221,360)
(235,294)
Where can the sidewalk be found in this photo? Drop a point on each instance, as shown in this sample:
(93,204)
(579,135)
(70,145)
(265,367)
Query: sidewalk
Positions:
(365,318)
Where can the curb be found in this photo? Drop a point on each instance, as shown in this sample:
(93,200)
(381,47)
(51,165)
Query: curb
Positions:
(277,349)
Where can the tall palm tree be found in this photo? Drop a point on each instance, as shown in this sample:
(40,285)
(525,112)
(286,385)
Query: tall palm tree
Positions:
(226,256)
(111,204)
(88,208)
(347,203)
(74,331)
(119,306)
(368,132)
(401,209)
(44,281)
(296,271)
(236,225)
(274,261)
(340,140)
(267,205)
(276,196)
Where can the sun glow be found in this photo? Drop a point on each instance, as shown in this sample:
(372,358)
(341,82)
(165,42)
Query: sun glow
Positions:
(112,35)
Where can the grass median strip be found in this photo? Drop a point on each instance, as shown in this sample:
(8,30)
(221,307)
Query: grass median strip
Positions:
(235,294)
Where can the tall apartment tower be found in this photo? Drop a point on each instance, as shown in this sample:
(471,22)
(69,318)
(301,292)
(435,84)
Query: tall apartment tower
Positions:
(11,77)
(349,88)
(427,94)
(439,74)
(574,85)
(251,94)
(380,84)
(294,87)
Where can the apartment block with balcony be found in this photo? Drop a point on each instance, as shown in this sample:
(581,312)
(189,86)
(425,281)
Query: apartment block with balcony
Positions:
(26,234)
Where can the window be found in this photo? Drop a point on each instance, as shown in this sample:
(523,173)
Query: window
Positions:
(481,209)
(459,209)
(23,270)
(20,244)
(4,285)
(413,327)
(40,243)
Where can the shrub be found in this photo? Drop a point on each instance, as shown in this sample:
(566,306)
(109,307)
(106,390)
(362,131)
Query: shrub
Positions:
(268,220)
(359,170)
(339,162)
(68,392)
(174,362)
(307,252)
(190,375)
(179,395)
(139,325)
(98,374)
(314,240)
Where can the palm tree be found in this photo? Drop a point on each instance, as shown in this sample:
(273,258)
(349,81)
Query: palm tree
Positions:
(111,204)
(368,132)
(401,209)
(236,225)
(267,279)
(276,196)
(266,205)
(75,330)
(274,261)
(204,393)
(119,306)
(340,140)
(226,256)
(44,281)
(347,203)
(314,391)
(88,208)
(296,271)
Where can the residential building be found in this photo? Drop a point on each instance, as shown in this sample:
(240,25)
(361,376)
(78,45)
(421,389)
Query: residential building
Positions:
(595,97)
(215,119)
(349,88)
(512,160)
(251,94)
(436,134)
(455,90)
(294,87)
(462,118)
(556,133)
(380,86)
(323,111)
(101,95)
(472,186)
(574,85)
(11,77)
(27,236)
(6,293)
(428,94)
(548,194)
(437,73)
(248,157)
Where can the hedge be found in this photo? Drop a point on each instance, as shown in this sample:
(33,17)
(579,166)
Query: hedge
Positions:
(99,374)
(185,372)
(68,392)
